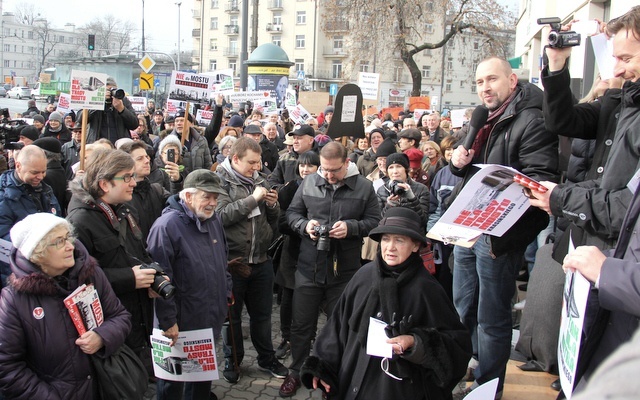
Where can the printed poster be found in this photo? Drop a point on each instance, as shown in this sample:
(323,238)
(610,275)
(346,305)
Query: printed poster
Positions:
(574,305)
(299,114)
(204,117)
(88,90)
(222,81)
(64,103)
(191,359)
(138,103)
(490,203)
(190,87)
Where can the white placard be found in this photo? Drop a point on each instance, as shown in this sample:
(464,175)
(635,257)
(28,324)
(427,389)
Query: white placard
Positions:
(191,359)
(369,83)
(349,108)
(88,90)
(377,345)
(256,95)
(603,50)
(138,103)
(64,103)
(204,117)
(457,118)
(290,99)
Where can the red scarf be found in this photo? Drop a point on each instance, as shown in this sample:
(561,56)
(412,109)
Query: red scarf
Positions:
(483,134)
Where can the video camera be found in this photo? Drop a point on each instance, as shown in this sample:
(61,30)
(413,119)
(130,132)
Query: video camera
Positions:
(10,130)
(557,38)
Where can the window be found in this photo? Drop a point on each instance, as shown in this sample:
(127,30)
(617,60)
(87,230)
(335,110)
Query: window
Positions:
(450,63)
(213,65)
(473,89)
(214,24)
(447,86)
(461,84)
(474,66)
(301,17)
(214,4)
(233,45)
(277,40)
(299,41)
(476,45)
(429,5)
(30,35)
(277,18)
(426,71)
(428,28)
(364,66)
(336,69)
(233,20)
(338,42)
(299,64)
(233,64)
(213,44)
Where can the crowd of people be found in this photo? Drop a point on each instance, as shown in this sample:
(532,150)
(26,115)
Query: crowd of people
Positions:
(251,205)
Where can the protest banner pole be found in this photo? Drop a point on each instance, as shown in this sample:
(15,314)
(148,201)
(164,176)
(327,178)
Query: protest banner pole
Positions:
(185,129)
(83,141)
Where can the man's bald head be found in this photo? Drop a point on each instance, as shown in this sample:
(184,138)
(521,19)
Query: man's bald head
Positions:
(31,165)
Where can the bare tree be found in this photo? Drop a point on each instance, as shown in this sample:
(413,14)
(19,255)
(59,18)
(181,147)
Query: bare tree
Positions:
(400,29)
(112,34)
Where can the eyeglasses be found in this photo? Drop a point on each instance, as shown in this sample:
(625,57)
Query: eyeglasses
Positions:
(384,365)
(124,178)
(333,171)
(62,241)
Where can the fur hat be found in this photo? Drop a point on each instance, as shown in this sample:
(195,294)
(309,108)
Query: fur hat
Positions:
(236,121)
(28,233)
(400,221)
(170,139)
(49,144)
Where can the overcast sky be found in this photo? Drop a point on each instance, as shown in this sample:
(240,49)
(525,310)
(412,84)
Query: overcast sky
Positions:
(160,18)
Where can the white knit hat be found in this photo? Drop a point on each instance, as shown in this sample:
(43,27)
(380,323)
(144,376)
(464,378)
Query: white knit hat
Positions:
(170,139)
(26,234)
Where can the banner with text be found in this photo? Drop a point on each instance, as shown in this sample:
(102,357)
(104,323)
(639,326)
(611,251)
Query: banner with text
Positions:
(369,83)
(190,87)
(88,90)
(191,359)
(138,103)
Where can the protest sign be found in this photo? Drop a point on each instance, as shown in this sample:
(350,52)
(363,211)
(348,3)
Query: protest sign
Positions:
(88,90)
(191,359)
(64,103)
(139,104)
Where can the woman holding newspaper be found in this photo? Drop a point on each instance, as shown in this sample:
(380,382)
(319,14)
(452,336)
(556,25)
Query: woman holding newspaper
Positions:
(42,354)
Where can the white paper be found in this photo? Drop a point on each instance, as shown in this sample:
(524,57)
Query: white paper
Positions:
(485,391)
(634,181)
(603,50)
(377,345)
(191,359)
(254,213)
(349,106)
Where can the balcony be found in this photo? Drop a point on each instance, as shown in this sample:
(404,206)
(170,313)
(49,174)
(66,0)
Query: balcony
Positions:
(274,27)
(195,14)
(231,29)
(333,52)
(195,33)
(336,26)
(275,4)
(232,7)
(231,52)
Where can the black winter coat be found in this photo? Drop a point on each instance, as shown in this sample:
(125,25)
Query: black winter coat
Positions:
(519,140)
(39,357)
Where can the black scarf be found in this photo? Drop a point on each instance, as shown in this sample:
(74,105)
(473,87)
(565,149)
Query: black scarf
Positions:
(384,293)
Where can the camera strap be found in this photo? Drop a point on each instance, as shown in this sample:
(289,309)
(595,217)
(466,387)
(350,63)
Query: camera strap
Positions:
(120,224)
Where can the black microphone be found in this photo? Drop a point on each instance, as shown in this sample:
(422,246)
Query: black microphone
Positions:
(478,119)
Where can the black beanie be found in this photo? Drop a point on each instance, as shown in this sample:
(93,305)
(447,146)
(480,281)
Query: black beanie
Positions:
(398,158)
(386,148)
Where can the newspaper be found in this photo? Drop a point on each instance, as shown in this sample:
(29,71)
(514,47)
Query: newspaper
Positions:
(490,203)
(191,359)
(85,308)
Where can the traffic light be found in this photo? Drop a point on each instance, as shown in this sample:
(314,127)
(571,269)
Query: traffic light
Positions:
(91,43)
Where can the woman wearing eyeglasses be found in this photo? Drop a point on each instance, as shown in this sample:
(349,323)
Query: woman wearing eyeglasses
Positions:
(42,356)
(429,348)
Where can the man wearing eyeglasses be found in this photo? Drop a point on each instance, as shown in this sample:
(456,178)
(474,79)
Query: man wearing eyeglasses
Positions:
(332,211)
(23,192)
(106,226)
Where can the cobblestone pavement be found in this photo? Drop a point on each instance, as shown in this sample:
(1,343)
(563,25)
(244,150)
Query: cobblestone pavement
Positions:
(253,383)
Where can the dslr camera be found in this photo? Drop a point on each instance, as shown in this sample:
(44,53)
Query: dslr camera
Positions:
(322,232)
(558,39)
(395,189)
(160,285)
(115,93)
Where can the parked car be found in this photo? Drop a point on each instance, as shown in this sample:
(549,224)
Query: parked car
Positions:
(3,92)
(19,92)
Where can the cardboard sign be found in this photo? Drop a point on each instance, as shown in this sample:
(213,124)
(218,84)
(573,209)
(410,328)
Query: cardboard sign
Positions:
(347,116)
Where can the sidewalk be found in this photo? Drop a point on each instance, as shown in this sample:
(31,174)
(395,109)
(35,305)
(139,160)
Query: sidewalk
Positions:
(258,385)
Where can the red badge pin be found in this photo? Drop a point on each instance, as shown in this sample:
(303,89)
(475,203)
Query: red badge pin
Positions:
(38,313)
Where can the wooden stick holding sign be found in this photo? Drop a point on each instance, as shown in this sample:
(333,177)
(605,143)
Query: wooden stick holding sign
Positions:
(186,127)
(83,140)
(347,116)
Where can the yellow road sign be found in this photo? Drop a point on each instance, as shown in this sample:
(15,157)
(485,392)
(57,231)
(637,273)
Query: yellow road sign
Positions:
(146,81)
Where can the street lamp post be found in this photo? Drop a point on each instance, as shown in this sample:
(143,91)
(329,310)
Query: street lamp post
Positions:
(143,49)
(179,4)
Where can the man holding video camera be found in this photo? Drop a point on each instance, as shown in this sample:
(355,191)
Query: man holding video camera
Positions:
(332,211)
(117,118)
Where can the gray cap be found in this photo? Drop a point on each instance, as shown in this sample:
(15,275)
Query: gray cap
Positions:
(204,180)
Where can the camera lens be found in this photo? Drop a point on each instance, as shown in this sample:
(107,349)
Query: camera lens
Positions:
(163,287)
(553,38)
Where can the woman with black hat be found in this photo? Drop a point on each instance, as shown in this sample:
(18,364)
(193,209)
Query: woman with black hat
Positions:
(430,347)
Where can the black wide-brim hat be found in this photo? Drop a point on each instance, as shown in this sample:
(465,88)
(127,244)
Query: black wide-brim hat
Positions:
(400,221)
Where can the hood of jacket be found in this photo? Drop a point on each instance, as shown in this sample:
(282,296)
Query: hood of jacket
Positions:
(352,170)
(176,205)
(78,191)
(528,96)
(28,278)
(227,172)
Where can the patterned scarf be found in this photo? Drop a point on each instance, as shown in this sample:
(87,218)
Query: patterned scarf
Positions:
(494,116)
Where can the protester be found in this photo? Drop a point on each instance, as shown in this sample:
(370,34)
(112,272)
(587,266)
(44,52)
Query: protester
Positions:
(47,358)
(430,345)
